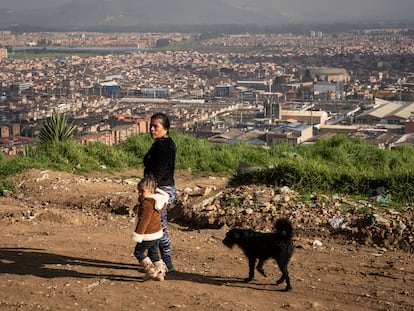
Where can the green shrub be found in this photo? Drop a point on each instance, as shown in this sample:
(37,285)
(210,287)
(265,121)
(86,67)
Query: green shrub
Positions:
(114,158)
(338,164)
(136,146)
(15,165)
(5,185)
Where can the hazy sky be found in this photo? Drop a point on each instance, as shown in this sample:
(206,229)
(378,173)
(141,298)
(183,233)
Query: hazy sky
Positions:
(294,10)
(323,10)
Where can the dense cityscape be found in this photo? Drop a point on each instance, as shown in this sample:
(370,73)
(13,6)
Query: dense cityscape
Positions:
(257,88)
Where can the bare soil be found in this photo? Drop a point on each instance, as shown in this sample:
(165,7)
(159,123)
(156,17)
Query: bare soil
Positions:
(62,249)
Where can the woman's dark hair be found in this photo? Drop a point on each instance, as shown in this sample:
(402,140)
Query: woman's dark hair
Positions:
(163,120)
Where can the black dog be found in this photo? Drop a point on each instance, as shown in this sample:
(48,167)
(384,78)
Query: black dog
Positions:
(262,246)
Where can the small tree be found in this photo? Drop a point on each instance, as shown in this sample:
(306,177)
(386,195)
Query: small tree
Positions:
(56,129)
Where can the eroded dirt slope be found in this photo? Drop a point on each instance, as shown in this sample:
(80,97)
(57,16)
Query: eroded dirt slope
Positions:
(59,251)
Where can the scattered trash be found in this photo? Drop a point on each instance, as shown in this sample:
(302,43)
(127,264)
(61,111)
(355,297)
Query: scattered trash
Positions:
(91,287)
(336,222)
(317,243)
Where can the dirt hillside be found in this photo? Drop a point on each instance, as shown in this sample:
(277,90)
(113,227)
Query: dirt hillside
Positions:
(65,246)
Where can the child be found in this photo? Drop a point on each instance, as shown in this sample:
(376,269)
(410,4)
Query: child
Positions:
(148,230)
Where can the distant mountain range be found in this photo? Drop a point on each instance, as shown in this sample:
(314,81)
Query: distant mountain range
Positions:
(75,14)
(188,15)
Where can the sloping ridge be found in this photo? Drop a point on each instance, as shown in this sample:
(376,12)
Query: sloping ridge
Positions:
(144,12)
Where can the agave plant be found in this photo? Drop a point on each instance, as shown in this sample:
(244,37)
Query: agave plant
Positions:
(56,129)
(28,151)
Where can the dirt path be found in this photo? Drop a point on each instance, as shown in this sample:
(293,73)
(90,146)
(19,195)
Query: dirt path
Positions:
(54,257)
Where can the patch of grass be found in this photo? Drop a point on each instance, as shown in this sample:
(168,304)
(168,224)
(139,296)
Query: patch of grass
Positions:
(6,185)
(340,165)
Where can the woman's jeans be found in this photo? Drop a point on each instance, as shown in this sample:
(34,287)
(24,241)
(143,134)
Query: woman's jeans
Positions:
(165,247)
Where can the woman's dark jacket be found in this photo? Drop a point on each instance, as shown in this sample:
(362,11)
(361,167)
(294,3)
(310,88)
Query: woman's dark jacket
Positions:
(160,161)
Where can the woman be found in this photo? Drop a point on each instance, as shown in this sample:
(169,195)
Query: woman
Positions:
(159,162)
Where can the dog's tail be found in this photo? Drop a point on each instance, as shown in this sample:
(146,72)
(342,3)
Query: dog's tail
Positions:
(284,227)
